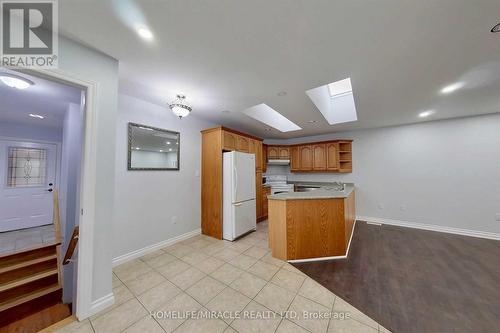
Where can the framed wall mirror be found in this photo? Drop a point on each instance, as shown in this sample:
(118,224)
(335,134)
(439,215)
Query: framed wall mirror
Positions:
(151,148)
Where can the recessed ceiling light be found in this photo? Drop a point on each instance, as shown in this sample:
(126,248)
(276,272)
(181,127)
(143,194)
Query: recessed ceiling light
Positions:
(137,148)
(161,150)
(496,28)
(168,142)
(267,115)
(15,81)
(36,116)
(453,87)
(170,149)
(426,114)
(145,33)
(282,93)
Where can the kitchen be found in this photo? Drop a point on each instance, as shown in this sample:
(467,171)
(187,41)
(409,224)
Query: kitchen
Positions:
(275,199)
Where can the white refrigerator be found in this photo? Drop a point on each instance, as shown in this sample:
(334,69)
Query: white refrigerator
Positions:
(239,215)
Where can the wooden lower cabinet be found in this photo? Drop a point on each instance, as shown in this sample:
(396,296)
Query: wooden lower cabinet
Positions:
(265,192)
(311,228)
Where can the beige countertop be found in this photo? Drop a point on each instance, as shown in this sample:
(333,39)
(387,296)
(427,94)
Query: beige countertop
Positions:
(326,191)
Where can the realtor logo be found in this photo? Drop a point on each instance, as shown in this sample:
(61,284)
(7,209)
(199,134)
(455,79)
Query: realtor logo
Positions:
(29,33)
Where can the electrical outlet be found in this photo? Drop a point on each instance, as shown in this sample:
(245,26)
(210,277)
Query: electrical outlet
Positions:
(497,216)
(174,219)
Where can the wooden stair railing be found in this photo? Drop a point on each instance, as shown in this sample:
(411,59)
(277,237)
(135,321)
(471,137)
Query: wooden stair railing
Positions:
(72,245)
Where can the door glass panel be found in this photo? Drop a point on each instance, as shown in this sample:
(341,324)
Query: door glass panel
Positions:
(27,167)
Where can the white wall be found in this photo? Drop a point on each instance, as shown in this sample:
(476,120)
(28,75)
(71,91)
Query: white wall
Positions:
(37,133)
(146,201)
(444,173)
(90,65)
(69,188)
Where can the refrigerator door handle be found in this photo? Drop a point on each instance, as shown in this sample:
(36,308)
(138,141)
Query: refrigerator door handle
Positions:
(235,173)
(237,205)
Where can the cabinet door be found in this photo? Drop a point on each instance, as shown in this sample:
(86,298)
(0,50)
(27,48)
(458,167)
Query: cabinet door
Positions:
(319,157)
(258,194)
(332,156)
(265,192)
(252,147)
(294,159)
(284,153)
(258,155)
(242,144)
(228,140)
(264,158)
(272,152)
(305,158)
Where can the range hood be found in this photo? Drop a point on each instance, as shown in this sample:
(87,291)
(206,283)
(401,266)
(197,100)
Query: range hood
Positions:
(278,162)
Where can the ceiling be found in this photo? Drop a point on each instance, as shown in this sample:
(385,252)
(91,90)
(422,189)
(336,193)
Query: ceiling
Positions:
(230,55)
(47,98)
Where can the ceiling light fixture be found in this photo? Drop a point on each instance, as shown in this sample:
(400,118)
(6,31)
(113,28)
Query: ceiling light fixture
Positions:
(426,114)
(453,87)
(145,33)
(137,148)
(33,115)
(170,149)
(15,81)
(496,28)
(168,142)
(180,107)
(161,150)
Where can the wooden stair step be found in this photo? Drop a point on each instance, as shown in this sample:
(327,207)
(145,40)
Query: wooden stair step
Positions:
(14,258)
(29,297)
(27,263)
(28,279)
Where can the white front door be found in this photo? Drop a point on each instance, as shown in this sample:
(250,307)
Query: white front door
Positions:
(27,181)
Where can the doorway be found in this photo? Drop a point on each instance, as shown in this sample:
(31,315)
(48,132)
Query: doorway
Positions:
(41,152)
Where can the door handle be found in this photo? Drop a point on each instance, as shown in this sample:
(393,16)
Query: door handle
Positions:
(50,190)
(237,205)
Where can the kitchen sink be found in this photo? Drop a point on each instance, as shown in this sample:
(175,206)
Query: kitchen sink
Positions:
(306,188)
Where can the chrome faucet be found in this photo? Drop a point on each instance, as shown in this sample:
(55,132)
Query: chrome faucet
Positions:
(341,186)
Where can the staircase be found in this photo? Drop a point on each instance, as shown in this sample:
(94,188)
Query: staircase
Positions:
(29,282)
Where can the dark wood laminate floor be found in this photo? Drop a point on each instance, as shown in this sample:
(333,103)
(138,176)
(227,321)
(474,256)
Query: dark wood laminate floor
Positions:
(413,280)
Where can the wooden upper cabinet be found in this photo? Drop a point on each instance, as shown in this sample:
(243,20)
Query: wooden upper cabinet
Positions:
(273,152)
(332,156)
(229,140)
(294,159)
(306,158)
(242,144)
(319,157)
(284,153)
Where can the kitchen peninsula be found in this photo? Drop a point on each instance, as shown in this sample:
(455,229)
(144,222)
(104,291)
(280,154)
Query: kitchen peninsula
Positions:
(312,225)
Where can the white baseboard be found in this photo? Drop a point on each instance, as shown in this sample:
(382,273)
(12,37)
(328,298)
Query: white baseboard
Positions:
(328,258)
(101,304)
(430,227)
(151,248)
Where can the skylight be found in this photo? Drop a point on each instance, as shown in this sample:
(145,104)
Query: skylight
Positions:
(267,115)
(340,87)
(335,101)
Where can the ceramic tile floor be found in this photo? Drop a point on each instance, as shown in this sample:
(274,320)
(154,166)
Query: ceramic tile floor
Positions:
(202,275)
(21,239)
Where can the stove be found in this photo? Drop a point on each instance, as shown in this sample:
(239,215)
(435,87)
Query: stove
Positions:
(278,184)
